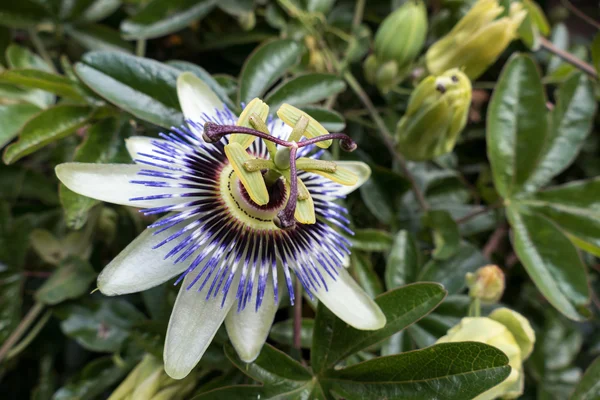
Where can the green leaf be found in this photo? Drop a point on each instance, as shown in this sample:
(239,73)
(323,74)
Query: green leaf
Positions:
(21,14)
(533,26)
(329,119)
(305,89)
(595,48)
(160,18)
(19,57)
(206,78)
(99,37)
(575,207)
(516,126)
(38,79)
(402,307)
(142,87)
(446,236)
(560,40)
(46,127)
(570,123)
(451,272)
(589,387)
(266,65)
(371,240)
(69,281)
(283,332)
(105,143)
(551,261)
(13,117)
(366,276)
(404,261)
(100,325)
(98,10)
(444,371)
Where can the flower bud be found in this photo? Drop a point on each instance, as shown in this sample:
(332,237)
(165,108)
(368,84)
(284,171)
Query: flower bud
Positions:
(437,112)
(486,284)
(506,330)
(392,56)
(477,40)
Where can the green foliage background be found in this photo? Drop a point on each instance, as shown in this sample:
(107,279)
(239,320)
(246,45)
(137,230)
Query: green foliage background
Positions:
(521,190)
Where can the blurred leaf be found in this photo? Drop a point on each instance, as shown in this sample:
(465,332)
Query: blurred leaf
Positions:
(17,182)
(99,37)
(551,261)
(19,57)
(534,25)
(402,307)
(367,278)
(404,261)
(444,371)
(206,78)
(95,378)
(446,236)
(143,87)
(383,192)
(516,125)
(47,246)
(305,89)
(265,65)
(371,240)
(283,332)
(331,120)
(100,325)
(162,17)
(38,79)
(69,281)
(589,387)
(451,272)
(104,144)
(560,39)
(98,10)
(595,48)
(570,123)
(46,127)
(21,14)
(13,117)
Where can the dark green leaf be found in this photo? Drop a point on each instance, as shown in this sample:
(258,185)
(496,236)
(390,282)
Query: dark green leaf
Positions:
(13,117)
(331,120)
(371,240)
(265,66)
(238,392)
(404,261)
(589,387)
(160,18)
(69,281)
(451,272)
(445,371)
(570,123)
(22,58)
(596,52)
(366,277)
(37,79)
(560,40)
(21,14)
(143,87)
(305,89)
(402,307)
(516,125)
(98,9)
(46,127)
(99,37)
(446,236)
(283,332)
(551,261)
(534,25)
(100,325)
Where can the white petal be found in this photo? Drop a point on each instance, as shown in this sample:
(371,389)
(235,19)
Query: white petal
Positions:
(350,303)
(193,324)
(279,129)
(196,97)
(360,169)
(140,144)
(112,183)
(248,329)
(139,267)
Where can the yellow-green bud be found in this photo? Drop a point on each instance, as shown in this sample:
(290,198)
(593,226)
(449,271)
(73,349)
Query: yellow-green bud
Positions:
(506,330)
(402,34)
(437,112)
(486,284)
(477,40)
(370,66)
(386,76)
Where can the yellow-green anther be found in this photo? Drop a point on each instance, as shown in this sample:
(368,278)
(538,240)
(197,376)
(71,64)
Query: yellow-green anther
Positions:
(305,163)
(258,164)
(342,175)
(303,193)
(299,129)
(477,40)
(253,181)
(149,387)
(291,115)
(305,207)
(255,107)
(259,124)
(436,114)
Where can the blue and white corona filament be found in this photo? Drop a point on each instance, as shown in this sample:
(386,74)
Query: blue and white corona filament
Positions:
(246,205)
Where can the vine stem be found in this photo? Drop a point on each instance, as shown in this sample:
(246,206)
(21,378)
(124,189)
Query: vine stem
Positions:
(580,14)
(298,316)
(140,48)
(571,59)
(25,323)
(359,10)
